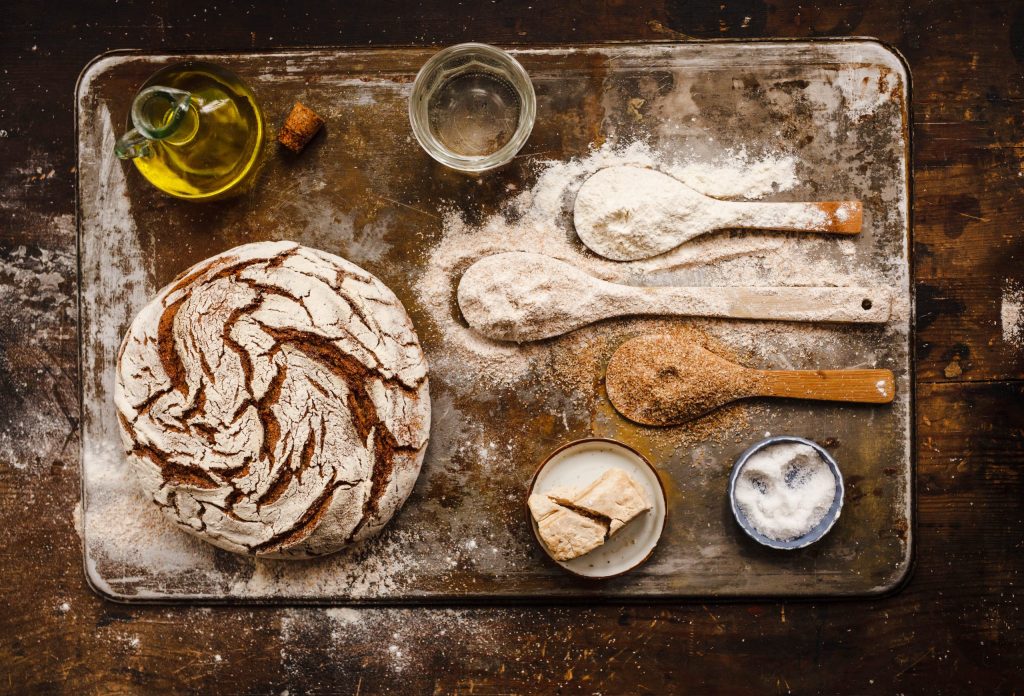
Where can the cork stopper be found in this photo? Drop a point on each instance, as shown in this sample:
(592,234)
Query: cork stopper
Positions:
(299,128)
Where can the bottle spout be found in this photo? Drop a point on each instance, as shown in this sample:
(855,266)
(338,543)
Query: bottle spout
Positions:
(157,113)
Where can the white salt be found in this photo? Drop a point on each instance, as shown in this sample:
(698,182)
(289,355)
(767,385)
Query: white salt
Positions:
(785,490)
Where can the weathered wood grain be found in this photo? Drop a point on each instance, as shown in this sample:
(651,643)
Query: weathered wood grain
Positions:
(955,628)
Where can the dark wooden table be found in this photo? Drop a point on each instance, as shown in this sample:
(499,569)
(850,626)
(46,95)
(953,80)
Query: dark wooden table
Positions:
(955,628)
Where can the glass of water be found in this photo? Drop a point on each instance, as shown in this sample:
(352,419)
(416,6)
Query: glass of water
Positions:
(472,107)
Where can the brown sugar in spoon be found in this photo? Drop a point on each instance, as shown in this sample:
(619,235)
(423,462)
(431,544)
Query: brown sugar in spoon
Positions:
(663,380)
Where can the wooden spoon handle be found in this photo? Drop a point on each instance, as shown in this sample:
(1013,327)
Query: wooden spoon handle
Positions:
(860,386)
(812,304)
(836,217)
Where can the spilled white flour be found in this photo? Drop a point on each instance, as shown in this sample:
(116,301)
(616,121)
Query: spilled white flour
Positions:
(630,213)
(134,552)
(738,174)
(1010,316)
(37,317)
(539,220)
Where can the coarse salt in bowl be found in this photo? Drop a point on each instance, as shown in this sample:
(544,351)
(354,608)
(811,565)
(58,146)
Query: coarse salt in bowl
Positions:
(819,529)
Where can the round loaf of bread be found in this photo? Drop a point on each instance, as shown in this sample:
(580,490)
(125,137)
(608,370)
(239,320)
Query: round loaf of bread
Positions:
(273,401)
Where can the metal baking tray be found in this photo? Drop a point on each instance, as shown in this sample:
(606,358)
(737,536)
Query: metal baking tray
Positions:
(365,191)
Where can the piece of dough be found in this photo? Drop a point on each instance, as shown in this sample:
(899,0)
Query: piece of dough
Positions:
(614,496)
(572,523)
(565,533)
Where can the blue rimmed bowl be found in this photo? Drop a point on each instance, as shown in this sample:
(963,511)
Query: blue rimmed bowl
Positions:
(821,529)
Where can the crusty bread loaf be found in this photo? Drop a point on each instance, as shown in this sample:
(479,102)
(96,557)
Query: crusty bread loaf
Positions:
(273,400)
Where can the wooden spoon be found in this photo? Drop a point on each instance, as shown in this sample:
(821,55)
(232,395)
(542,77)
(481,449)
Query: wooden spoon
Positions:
(520,296)
(664,212)
(663,380)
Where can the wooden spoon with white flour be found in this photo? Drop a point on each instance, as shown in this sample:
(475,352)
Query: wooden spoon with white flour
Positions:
(662,380)
(628,213)
(520,296)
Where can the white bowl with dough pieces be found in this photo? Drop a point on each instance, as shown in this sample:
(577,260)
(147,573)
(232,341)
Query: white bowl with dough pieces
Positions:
(577,464)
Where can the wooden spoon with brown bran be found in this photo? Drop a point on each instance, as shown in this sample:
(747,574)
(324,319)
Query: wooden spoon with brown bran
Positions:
(662,380)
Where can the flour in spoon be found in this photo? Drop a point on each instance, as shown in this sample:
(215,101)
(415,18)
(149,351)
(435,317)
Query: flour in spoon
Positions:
(539,220)
(629,213)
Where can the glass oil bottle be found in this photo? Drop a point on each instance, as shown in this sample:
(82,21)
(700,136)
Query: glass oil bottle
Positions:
(198,131)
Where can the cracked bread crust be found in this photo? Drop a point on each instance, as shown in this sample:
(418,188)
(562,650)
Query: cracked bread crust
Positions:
(274,401)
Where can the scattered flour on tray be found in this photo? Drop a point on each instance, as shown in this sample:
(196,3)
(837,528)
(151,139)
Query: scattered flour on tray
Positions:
(125,548)
(539,220)
(738,174)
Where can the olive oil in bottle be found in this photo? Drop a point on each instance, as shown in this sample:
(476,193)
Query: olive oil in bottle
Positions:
(197,131)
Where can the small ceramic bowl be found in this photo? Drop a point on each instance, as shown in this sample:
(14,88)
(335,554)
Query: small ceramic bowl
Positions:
(821,529)
(578,463)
